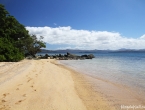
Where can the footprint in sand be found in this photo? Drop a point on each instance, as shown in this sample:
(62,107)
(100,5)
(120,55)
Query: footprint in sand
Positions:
(24,95)
(3,101)
(20,84)
(5,94)
(29,79)
(17,89)
(19,102)
(33,87)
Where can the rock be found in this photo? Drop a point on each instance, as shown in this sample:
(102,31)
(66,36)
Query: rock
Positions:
(90,56)
(54,56)
(65,55)
(51,57)
(84,55)
(60,55)
(68,53)
(69,56)
(29,57)
(46,56)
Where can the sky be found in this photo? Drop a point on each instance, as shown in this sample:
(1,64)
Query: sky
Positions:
(83,24)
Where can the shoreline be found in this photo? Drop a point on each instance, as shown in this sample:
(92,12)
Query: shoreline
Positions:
(48,85)
(45,84)
(87,92)
(117,95)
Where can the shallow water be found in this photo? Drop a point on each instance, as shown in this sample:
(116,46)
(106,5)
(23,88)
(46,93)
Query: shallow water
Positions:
(125,69)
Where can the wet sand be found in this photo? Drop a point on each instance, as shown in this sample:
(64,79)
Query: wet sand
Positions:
(116,95)
(46,85)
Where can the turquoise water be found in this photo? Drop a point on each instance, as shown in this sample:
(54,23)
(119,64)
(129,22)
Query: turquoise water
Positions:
(127,69)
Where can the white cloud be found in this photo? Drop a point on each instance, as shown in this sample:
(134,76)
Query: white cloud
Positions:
(84,39)
(142,37)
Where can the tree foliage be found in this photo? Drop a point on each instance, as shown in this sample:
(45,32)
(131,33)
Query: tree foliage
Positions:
(34,45)
(15,40)
(8,52)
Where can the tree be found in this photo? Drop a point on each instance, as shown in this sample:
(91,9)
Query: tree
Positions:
(34,45)
(15,40)
(8,52)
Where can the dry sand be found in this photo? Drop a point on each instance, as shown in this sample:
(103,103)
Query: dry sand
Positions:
(46,85)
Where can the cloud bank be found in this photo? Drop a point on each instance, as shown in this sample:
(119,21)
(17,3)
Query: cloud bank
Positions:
(84,39)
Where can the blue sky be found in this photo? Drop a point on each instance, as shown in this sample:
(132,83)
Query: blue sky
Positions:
(83,24)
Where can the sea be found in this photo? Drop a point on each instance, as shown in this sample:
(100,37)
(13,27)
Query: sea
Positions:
(121,68)
(127,68)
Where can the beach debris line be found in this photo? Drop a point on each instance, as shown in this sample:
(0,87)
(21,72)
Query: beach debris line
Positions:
(67,56)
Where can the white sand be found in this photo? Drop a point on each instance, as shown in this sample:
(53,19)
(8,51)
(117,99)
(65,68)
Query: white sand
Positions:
(45,85)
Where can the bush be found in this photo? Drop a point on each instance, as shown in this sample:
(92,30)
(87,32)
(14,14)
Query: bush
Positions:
(8,52)
(2,58)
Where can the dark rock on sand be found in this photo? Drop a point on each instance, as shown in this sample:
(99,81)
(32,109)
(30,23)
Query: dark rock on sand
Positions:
(68,56)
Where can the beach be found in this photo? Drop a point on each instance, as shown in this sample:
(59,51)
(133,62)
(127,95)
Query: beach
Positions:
(46,85)
(118,78)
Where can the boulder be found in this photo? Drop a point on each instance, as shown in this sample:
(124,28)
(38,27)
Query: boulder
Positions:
(68,53)
(70,56)
(46,56)
(90,56)
(60,55)
(29,57)
(84,56)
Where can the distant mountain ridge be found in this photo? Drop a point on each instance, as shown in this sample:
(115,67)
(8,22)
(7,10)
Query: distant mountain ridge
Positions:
(90,51)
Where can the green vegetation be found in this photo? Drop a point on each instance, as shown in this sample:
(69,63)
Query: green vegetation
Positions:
(15,41)
(33,45)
